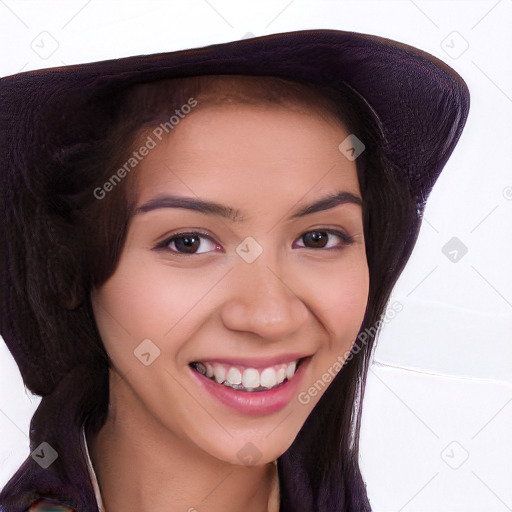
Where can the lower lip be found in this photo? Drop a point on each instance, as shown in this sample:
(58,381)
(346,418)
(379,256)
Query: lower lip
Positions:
(254,403)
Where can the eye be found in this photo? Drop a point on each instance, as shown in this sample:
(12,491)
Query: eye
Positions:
(319,239)
(190,243)
(187,243)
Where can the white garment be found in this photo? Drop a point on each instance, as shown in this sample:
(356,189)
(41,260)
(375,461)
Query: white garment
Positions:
(92,474)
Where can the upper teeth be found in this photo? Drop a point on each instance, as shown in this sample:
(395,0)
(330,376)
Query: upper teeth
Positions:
(247,378)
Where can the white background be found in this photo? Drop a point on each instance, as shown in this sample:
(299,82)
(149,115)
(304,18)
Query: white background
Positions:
(437,416)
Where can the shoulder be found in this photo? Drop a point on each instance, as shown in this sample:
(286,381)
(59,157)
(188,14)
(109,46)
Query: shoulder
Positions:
(44,505)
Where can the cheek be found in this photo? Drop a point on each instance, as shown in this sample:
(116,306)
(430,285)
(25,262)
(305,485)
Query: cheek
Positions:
(130,307)
(145,300)
(343,299)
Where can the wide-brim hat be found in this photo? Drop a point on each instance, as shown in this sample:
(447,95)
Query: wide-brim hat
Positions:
(49,116)
(421,103)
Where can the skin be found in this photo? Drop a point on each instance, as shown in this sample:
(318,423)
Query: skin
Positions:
(166,440)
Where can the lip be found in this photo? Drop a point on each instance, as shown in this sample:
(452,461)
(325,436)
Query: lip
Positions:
(254,403)
(258,363)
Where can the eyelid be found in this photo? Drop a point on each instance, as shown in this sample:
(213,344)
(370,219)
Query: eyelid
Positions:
(163,245)
(346,240)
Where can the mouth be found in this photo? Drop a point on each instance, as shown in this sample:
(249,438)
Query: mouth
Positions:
(246,378)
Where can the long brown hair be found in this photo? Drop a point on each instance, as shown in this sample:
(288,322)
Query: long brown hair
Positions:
(62,240)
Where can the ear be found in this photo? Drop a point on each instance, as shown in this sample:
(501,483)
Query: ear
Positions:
(72,299)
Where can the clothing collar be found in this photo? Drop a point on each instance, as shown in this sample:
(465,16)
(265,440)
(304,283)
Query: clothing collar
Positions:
(92,473)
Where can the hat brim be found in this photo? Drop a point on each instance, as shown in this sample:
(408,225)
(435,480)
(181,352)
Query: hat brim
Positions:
(421,102)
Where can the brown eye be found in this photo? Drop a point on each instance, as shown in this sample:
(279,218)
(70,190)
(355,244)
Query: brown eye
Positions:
(187,243)
(318,239)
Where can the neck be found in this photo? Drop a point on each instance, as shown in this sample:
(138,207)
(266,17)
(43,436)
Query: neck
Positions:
(141,465)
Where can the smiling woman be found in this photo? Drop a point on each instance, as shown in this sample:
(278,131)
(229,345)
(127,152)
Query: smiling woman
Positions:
(231,328)
(215,293)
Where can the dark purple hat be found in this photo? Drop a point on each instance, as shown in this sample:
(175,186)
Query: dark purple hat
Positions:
(48,115)
(421,105)
(421,102)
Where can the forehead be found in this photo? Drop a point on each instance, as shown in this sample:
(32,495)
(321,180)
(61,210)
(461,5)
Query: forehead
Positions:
(247,151)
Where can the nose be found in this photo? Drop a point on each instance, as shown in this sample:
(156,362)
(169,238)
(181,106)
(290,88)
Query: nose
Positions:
(263,302)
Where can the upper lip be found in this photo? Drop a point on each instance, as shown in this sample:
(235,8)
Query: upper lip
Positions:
(255,362)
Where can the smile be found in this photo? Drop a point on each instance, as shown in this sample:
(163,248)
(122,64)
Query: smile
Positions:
(246,378)
(255,388)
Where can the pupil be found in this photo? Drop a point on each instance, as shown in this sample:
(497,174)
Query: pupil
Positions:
(188,243)
(317,238)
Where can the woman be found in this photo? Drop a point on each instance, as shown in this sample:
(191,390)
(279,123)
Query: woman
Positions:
(198,326)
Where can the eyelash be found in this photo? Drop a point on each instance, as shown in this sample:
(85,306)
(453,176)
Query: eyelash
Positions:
(164,244)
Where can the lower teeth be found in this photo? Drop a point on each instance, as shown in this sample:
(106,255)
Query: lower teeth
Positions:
(242,388)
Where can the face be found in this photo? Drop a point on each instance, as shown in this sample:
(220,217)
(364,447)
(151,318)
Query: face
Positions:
(207,299)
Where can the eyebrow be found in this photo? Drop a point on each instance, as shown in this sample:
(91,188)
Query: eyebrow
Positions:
(211,208)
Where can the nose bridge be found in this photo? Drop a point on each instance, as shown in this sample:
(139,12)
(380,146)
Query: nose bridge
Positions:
(262,301)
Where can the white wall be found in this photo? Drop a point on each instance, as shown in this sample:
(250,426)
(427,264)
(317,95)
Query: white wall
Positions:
(438,410)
